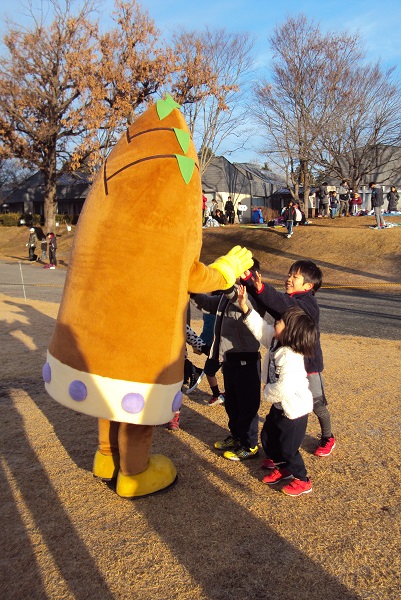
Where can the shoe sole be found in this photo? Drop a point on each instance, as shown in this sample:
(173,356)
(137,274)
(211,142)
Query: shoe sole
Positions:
(278,480)
(217,403)
(238,459)
(327,454)
(263,466)
(296,495)
(191,389)
(224,449)
(105,479)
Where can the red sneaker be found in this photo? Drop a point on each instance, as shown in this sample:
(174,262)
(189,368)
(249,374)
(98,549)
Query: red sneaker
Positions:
(268,463)
(174,424)
(296,487)
(215,400)
(325,447)
(277,475)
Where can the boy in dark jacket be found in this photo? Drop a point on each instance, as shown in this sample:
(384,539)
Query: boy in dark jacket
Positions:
(238,350)
(303,281)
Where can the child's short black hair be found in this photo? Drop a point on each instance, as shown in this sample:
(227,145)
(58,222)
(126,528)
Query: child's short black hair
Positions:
(309,271)
(256,265)
(300,331)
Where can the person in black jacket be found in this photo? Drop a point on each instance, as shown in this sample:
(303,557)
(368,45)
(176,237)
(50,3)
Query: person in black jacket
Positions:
(377,203)
(229,210)
(238,350)
(392,198)
(303,281)
(289,217)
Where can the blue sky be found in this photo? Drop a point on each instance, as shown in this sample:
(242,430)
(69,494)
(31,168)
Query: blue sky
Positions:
(378,22)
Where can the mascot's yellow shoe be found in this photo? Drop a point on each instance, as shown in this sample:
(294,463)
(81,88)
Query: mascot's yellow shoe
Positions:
(160,475)
(106,467)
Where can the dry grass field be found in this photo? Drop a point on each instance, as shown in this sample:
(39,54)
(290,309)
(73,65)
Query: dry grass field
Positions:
(219,534)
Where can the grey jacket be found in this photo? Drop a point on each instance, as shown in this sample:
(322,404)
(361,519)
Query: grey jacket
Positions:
(343,193)
(231,335)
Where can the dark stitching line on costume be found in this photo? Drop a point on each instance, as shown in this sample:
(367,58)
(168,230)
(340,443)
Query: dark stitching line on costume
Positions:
(139,161)
(142,160)
(147,131)
(105,178)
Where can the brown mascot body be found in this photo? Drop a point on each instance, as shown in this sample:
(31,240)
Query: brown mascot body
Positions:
(118,347)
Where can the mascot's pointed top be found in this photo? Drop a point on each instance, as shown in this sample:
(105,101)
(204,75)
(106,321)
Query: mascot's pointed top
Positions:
(165,107)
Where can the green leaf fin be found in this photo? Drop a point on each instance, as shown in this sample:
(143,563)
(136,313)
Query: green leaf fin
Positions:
(183,138)
(187,166)
(165,107)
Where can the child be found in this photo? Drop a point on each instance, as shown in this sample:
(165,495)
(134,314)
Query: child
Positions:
(192,375)
(334,204)
(52,250)
(287,389)
(43,246)
(238,350)
(211,365)
(303,281)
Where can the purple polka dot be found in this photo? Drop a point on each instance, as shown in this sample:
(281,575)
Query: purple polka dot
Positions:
(78,391)
(133,403)
(47,373)
(177,401)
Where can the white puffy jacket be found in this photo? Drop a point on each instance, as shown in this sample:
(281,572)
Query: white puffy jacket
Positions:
(290,392)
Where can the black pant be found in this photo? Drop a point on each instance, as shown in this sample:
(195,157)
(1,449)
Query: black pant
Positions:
(281,438)
(230,217)
(211,367)
(242,398)
(52,257)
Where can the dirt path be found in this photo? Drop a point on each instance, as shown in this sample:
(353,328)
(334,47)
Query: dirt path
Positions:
(220,533)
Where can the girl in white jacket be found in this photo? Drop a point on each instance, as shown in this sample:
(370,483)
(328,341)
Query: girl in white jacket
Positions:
(288,390)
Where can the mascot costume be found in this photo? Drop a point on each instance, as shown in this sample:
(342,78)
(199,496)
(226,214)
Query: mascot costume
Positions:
(118,347)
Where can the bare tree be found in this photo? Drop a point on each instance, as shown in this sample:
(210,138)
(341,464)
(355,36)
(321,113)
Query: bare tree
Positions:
(364,141)
(134,64)
(12,173)
(310,84)
(213,71)
(67,90)
(43,100)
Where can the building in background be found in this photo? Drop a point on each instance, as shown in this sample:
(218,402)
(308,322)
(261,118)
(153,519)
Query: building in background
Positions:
(246,184)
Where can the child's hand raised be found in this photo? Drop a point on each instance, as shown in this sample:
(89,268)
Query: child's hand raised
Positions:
(241,297)
(257,281)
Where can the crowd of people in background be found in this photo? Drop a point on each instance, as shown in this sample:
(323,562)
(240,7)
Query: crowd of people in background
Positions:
(215,217)
(349,202)
(329,203)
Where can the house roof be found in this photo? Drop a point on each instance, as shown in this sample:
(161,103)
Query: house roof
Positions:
(238,178)
(220,176)
(256,173)
(72,185)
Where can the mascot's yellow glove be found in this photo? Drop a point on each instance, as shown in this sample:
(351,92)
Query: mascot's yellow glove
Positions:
(233,264)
